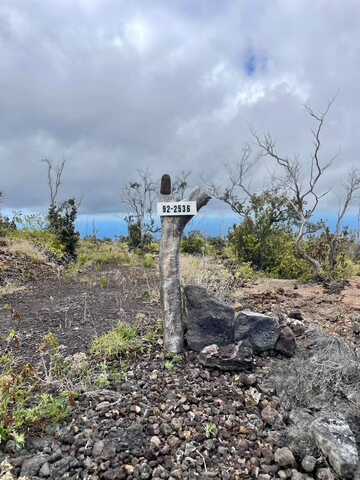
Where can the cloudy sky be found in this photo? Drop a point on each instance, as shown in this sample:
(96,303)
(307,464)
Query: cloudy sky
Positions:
(115,85)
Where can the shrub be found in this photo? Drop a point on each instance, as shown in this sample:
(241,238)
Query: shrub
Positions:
(149,261)
(135,239)
(62,224)
(244,271)
(6,226)
(20,407)
(275,254)
(194,244)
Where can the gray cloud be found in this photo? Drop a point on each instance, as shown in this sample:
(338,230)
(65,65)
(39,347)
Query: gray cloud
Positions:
(116,85)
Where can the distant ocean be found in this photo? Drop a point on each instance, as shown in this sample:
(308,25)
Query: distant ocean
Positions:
(113,226)
(217,224)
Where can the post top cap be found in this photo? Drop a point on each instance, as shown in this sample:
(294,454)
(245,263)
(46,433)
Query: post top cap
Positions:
(165,187)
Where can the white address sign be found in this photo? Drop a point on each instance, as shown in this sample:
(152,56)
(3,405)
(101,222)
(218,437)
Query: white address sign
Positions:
(173,209)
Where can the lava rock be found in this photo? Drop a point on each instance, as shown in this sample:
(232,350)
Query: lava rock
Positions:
(337,443)
(45,470)
(235,357)
(284,457)
(324,474)
(207,321)
(296,314)
(258,330)
(270,416)
(31,466)
(286,343)
(308,463)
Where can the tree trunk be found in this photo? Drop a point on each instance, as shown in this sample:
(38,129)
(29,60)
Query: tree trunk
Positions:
(170,290)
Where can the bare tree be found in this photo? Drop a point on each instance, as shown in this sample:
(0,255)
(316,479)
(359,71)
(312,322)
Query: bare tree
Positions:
(54,174)
(236,190)
(303,188)
(140,197)
(263,211)
(352,187)
(181,185)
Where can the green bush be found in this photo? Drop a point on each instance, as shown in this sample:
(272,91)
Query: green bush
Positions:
(134,239)
(6,226)
(275,254)
(149,261)
(194,244)
(62,224)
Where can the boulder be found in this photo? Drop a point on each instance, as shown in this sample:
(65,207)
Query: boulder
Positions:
(236,357)
(337,443)
(286,343)
(206,320)
(258,330)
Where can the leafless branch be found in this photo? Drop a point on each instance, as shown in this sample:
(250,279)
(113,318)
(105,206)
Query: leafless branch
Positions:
(303,190)
(54,178)
(140,197)
(236,190)
(180,185)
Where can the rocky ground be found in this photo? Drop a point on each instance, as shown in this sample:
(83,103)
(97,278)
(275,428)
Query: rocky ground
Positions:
(174,418)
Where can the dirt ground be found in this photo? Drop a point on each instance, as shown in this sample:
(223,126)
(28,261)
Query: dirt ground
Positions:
(336,314)
(81,308)
(76,310)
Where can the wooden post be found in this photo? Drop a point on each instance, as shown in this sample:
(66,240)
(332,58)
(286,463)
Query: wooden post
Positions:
(170,288)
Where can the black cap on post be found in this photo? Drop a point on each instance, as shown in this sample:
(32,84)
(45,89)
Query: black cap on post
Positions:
(165,187)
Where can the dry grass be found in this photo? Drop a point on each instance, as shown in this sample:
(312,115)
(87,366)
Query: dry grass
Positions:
(10,289)
(209,273)
(18,246)
(328,370)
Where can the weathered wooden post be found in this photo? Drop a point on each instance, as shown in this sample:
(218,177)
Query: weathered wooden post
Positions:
(175,216)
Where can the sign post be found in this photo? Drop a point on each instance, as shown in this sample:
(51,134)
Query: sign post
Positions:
(175,216)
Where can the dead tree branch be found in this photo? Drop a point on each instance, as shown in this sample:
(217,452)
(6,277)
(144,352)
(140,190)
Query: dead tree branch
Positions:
(54,178)
(236,191)
(303,190)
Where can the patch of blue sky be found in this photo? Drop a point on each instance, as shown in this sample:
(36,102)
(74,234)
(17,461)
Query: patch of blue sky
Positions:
(254,63)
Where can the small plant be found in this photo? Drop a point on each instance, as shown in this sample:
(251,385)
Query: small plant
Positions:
(211,430)
(172,362)
(155,334)
(109,375)
(48,408)
(12,336)
(123,341)
(104,282)
(149,261)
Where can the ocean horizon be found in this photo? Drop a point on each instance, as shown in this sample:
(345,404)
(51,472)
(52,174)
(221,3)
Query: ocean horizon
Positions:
(112,225)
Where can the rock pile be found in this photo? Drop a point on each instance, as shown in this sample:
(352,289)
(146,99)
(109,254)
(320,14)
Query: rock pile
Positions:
(211,325)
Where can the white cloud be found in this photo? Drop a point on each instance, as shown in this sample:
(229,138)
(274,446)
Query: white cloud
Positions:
(117,85)
(138,33)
